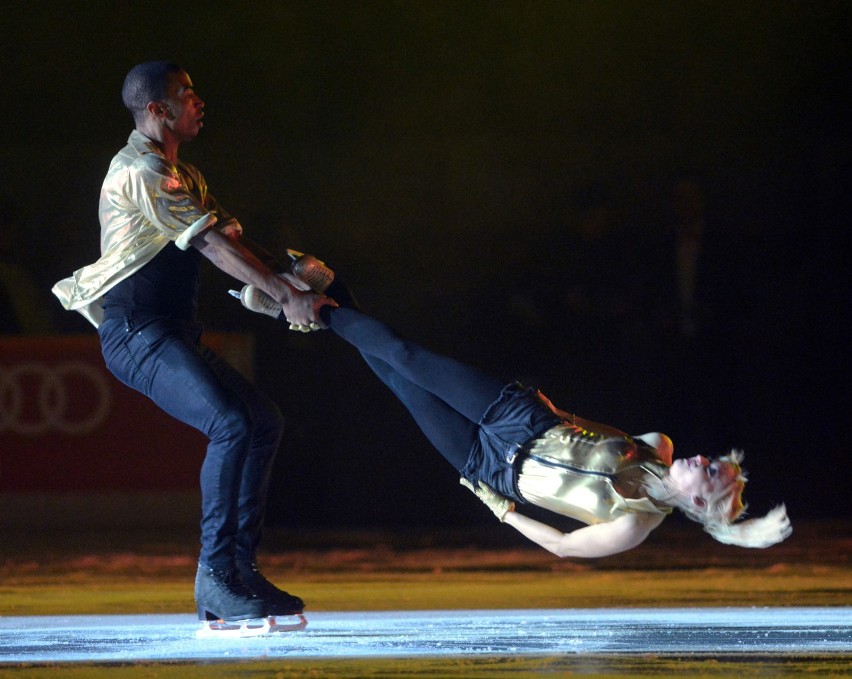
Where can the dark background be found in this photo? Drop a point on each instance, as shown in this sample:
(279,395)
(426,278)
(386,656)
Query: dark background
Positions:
(497,180)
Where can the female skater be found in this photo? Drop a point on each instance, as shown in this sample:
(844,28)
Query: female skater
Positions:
(512,447)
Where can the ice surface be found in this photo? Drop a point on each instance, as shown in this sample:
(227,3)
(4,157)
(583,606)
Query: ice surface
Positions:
(124,638)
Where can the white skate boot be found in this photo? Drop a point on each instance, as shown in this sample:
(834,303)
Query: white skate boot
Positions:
(255,299)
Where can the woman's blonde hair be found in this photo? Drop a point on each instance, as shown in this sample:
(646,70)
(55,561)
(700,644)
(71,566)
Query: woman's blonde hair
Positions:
(720,512)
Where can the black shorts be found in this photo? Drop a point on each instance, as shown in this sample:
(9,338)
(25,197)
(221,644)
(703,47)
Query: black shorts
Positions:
(516,418)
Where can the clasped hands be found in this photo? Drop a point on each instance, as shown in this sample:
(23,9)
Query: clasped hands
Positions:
(302,288)
(305,328)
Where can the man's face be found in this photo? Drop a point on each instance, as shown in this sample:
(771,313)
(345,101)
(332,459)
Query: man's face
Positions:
(185,107)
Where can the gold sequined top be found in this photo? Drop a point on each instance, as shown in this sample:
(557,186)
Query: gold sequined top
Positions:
(588,476)
(146,202)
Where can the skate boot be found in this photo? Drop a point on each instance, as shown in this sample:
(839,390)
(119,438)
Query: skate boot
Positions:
(319,278)
(255,299)
(310,270)
(221,595)
(278,602)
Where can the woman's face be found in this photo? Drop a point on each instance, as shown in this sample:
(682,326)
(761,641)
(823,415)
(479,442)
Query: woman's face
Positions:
(700,477)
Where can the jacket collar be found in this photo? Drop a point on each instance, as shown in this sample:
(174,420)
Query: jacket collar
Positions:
(143,144)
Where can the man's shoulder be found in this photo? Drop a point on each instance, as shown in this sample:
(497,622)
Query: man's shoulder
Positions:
(127,164)
(152,161)
(138,151)
(142,153)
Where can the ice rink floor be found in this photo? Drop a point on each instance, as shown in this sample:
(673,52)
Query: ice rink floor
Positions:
(701,631)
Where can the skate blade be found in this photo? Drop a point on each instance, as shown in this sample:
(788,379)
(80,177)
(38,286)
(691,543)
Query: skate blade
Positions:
(275,625)
(241,629)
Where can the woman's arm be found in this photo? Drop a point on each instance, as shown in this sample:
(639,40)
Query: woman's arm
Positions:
(602,539)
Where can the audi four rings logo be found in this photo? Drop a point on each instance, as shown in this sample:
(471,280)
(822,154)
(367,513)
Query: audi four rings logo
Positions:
(37,399)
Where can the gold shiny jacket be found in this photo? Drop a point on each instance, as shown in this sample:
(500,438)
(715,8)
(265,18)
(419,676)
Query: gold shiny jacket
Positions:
(588,476)
(146,202)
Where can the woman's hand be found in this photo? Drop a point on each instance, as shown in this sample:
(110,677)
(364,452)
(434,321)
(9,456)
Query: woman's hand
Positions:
(498,504)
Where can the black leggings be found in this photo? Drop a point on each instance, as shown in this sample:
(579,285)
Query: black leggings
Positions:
(447,398)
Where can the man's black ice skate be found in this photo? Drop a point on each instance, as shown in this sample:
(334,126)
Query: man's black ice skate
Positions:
(221,595)
(278,602)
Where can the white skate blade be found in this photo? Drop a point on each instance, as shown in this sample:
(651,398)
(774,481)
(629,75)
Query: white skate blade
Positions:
(255,627)
(223,629)
(299,622)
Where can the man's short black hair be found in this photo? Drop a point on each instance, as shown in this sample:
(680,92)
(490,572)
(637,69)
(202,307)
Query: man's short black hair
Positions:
(147,82)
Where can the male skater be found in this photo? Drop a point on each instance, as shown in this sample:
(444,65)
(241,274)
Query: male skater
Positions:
(157,220)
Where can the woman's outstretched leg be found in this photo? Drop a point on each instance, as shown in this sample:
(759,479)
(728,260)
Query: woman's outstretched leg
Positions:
(464,388)
(452,434)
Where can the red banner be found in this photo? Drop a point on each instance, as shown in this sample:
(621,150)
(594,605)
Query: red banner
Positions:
(67,424)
